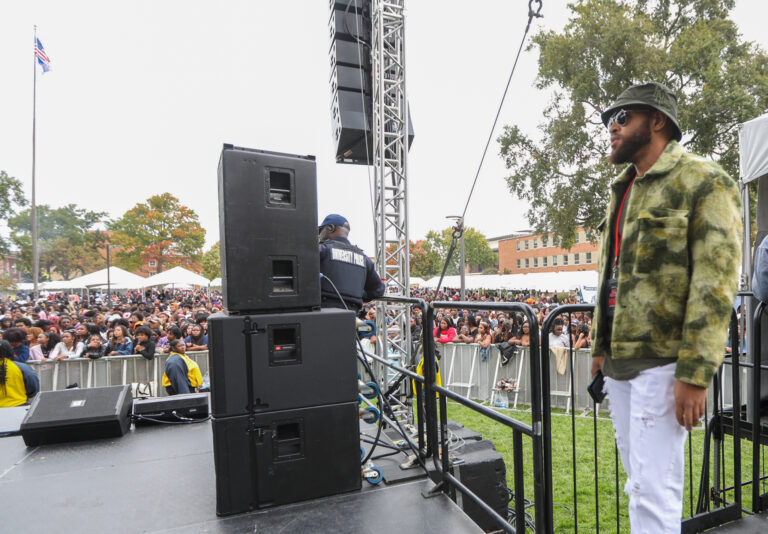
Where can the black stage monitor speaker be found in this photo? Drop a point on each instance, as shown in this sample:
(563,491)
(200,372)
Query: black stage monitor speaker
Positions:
(483,471)
(176,408)
(268,228)
(296,360)
(77,414)
(283,457)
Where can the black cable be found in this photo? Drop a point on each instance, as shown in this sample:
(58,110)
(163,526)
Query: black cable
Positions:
(181,420)
(385,455)
(531,15)
(368,370)
(383,400)
(381,444)
(402,432)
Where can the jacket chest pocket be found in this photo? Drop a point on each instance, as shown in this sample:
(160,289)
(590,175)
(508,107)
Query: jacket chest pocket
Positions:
(662,242)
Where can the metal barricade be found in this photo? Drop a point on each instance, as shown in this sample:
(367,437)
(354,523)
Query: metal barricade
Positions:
(448,483)
(109,371)
(732,418)
(719,395)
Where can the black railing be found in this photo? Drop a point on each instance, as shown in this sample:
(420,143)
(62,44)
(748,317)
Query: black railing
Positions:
(448,482)
(734,420)
(700,516)
(706,516)
(432,418)
(567,310)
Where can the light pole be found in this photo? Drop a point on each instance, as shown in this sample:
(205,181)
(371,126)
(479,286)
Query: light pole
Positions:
(462,259)
(109,280)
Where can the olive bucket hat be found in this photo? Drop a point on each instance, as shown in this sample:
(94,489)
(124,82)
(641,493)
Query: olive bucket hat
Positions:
(655,95)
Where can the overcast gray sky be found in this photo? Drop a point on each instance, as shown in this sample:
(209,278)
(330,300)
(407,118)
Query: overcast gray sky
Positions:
(143,94)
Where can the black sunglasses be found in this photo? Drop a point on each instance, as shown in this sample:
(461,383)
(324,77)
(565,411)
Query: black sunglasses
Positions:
(621,117)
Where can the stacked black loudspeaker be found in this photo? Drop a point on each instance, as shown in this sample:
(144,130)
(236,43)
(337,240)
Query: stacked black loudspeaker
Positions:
(284,397)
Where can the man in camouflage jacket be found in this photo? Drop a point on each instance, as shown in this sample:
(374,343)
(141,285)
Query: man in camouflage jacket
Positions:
(668,275)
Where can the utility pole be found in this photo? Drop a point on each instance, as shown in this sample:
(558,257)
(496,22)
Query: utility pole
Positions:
(109,279)
(459,227)
(463,268)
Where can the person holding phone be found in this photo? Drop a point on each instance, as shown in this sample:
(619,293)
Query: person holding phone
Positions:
(668,274)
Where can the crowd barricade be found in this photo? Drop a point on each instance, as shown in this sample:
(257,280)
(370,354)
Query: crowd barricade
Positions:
(531,507)
(464,372)
(110,371)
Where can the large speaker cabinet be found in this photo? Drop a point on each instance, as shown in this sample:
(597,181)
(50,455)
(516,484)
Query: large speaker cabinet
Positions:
(77,414)
(268,231)
(286,456)
(483,471)
(296,360)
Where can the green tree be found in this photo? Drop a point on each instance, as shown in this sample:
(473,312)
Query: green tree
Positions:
(476,249)
(161,229)
(689,45)
(424,261)
(212,262)
(66,240)
(11,198)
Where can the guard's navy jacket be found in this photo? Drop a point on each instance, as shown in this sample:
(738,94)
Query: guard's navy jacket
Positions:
(351,271)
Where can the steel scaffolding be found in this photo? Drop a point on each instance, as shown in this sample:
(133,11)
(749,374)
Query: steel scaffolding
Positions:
(390,155)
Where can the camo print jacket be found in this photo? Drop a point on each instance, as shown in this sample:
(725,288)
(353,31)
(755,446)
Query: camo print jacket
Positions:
(678,267)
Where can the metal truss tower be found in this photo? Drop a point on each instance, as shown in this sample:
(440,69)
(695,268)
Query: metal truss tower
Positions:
(390,156)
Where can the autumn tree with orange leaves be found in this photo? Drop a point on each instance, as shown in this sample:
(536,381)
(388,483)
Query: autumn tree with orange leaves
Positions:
(161,229)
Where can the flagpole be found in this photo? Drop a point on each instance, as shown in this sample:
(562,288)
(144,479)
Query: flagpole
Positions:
(35,258)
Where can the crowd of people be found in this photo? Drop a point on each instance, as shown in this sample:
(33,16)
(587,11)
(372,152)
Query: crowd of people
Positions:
(69,326)
(62,326)
(484,327)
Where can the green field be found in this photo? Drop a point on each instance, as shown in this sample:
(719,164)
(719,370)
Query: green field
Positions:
(563,467)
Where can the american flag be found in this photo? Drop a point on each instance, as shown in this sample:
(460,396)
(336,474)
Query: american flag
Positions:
(41,56)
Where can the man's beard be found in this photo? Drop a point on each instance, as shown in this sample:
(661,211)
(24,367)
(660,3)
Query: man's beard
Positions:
(627,148)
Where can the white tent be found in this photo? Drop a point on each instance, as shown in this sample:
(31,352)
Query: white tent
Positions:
(118,279)
(177,276)
(416,281)
(561,281)
(753,149)
(216,282)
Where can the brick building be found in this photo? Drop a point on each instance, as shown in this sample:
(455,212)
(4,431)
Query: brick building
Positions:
(537,253)
(8,268)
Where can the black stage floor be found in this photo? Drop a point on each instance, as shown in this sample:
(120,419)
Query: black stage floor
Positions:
(161,479)
(754,524)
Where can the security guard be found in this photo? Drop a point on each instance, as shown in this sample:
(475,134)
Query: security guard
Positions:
(18,382)
(346,267)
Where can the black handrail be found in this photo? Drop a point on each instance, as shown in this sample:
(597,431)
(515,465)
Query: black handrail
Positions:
(542,482)
(756,383)
(547,427)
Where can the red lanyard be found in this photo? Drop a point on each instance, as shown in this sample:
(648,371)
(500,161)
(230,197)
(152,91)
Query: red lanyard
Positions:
(618,223)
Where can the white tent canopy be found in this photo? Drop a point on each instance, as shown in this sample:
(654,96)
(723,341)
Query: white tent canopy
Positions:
(561,281)
(118,279)
(216,282)
(753,149)
(177,276)
(55,285)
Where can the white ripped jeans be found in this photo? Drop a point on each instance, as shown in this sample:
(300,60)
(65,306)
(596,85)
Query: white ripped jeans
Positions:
(652,447)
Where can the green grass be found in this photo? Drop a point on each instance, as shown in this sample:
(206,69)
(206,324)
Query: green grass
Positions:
(563,467)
